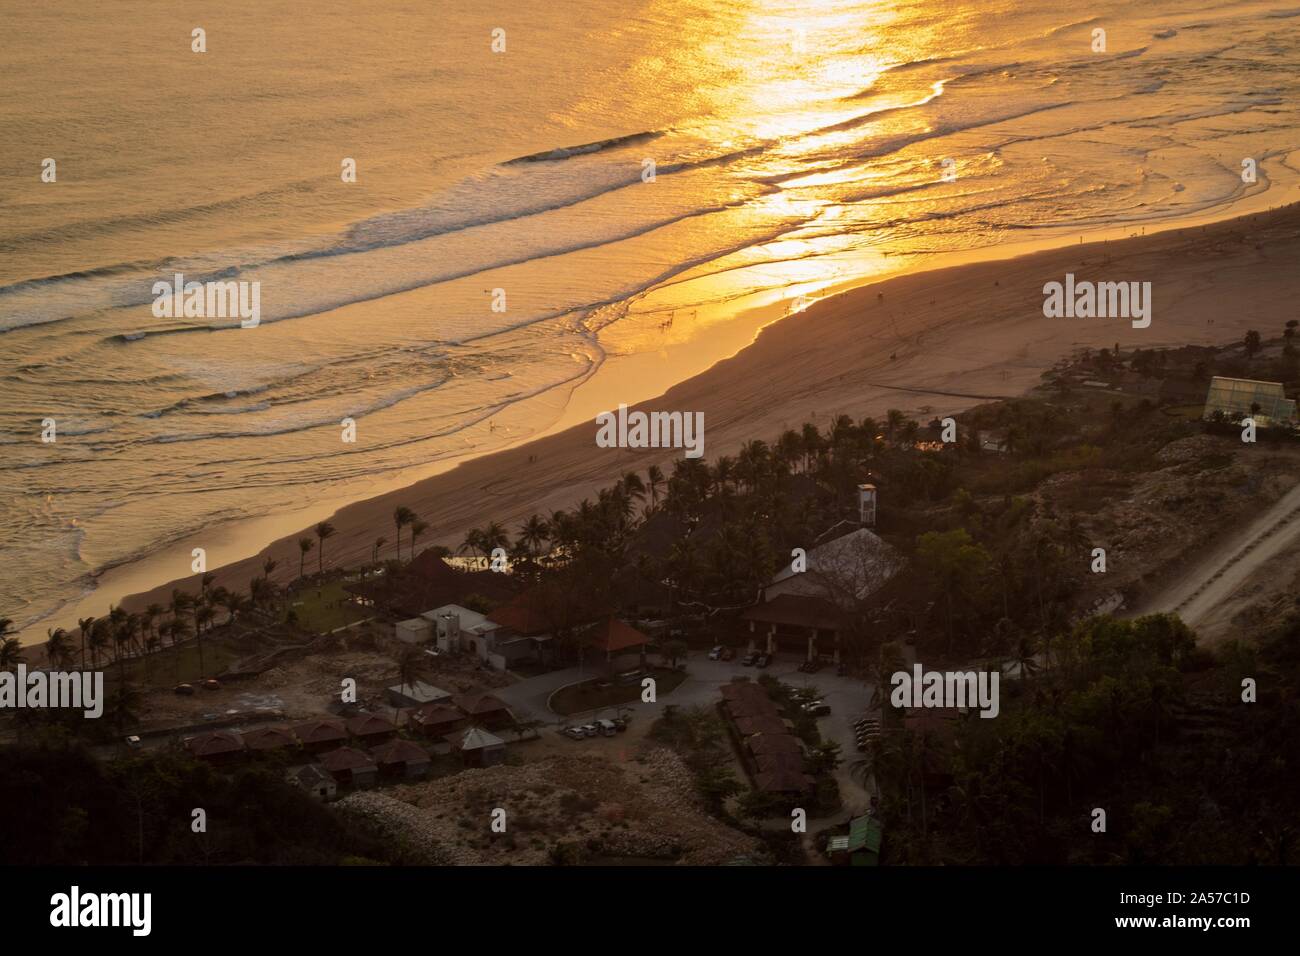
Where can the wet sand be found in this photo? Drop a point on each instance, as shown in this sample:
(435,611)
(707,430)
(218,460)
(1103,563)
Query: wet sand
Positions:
(929,343)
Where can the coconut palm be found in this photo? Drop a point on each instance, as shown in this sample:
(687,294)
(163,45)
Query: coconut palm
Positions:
(654,478)
(58,648)
(324,530)
(473,542)
(379,543)
(151,615)
(408,671)
(86,624)
(304,545)
(402,516)
(11,652)
(418,528)
(534,531)
(99,639)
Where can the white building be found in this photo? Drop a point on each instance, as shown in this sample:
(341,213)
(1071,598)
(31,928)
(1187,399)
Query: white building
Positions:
(414,631)
(456,628)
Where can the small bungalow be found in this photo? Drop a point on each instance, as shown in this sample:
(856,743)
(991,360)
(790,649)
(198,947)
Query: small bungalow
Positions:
(319,735)
(862,845)
(401,758)
(371,729)
(477,747)
(416,694)
(484,709)
(314,781)
(349,766)
(436,720)
(217,747)
(269,739)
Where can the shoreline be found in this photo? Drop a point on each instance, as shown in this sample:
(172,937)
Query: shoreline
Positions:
(849,352)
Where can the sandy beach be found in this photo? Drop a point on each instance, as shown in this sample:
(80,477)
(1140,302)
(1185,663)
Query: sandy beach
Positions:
(929,343)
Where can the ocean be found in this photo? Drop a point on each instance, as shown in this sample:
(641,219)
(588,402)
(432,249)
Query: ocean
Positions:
(613,177)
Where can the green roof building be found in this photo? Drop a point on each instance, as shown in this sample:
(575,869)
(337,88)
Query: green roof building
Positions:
(861,847)
(1238,398)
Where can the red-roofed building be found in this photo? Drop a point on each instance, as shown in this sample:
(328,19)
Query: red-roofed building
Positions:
(483,709)
(267,739)
(217,747)
(318,735)
(401,758)
(349,766)
(437,720)
(616,641)
(371,729)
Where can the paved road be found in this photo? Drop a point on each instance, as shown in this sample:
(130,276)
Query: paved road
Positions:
(848,698)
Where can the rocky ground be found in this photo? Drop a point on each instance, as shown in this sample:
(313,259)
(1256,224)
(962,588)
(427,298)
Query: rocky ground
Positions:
(575,808)
(1152,522)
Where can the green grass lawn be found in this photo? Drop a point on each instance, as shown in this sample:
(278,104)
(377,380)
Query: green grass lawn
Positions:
(590,695)
(173,665)
(324,608)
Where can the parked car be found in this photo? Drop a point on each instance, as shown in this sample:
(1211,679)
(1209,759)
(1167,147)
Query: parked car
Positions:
(748,659)
(607,728)
(728,654)
(574,733)
(817,708)
(763,660)
(133,742)
(591,730)
(212,684)
(185,689)
(620,723)
(716,653)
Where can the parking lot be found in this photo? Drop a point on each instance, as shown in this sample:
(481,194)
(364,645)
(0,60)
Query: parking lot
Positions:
(848,698)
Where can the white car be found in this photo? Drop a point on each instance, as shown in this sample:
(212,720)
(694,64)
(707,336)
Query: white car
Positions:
(574,733)
(716,653)
(591,730)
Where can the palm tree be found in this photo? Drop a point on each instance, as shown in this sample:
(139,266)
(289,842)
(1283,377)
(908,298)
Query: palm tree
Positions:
(633,486)
(57,648)
(324,530)
(408,670)
(151,615)
(654,478)
(11,652)
(99,640)
(402,516)
(534,532)
(473,542)
(418,528)
(304,545)
(86,624)
(379,543)
(893,422)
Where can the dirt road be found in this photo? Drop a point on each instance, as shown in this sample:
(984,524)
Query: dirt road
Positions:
(1226,568)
